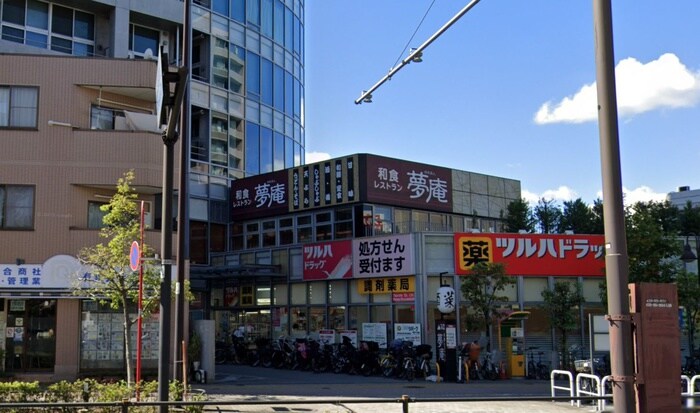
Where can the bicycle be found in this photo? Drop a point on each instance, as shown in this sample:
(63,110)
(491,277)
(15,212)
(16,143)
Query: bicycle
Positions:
(539,370)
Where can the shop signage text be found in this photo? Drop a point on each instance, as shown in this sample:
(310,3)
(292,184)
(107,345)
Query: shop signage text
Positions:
(386,285)
(532,254)
(382,256)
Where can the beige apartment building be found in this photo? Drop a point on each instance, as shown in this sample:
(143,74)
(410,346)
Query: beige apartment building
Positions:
(70,127)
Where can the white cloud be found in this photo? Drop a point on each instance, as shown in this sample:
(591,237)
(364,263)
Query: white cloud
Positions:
(641,87)
(530,197)
(312,157)
(640,194)
(563,193)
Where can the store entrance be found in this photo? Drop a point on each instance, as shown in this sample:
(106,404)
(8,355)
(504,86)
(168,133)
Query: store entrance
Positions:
(30,335)
(246,324)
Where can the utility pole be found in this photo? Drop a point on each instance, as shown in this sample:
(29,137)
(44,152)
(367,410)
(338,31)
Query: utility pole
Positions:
(170,137)
(616,259)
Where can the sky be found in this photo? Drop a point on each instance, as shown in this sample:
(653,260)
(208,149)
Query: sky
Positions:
(509,90)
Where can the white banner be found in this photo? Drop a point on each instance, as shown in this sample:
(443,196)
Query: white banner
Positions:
(383,256)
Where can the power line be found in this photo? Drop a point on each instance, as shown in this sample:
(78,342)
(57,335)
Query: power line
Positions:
(414,33)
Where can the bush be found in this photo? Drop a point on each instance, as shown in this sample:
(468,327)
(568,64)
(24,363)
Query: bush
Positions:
(88,390)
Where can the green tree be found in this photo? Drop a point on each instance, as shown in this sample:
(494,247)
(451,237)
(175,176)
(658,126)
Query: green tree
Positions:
(519,217)
(561,306)
(597,209)
(483,289)
(577,217)
(112,282)
(653,245)
(689,299)
(689,220)
(547,216)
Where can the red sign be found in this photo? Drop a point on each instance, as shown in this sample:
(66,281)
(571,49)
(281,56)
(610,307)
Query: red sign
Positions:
(403,297)
(259,196)
(532,254)
(328,260)
(410,184)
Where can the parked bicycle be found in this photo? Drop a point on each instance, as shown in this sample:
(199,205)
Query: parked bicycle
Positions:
(536,370)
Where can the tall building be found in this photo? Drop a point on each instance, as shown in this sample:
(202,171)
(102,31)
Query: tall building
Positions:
(77,90)
(684,195)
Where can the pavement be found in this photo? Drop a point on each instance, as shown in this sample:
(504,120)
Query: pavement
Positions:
(270,391)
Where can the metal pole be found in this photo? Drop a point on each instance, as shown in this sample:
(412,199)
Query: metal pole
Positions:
(183,212)
(616,260)
(417,51)
(165,282)
(139,320)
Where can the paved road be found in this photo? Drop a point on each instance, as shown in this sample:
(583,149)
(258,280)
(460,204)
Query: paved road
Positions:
(244,383)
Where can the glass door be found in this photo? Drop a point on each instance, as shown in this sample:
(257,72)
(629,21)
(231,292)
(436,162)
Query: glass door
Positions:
(30,336)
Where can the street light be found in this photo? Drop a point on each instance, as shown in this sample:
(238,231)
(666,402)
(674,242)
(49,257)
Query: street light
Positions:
(688,256)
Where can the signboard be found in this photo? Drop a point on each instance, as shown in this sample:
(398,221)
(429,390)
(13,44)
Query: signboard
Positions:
(387,285)
(259,196)
(600,332)
(134,256)
(327,260)
(383,256)
(403,297)
(326,336)
(351,334)
(451,337)
(375,332)
(409,184)
(517,332)
(532,254)
(407,332)
(324,183)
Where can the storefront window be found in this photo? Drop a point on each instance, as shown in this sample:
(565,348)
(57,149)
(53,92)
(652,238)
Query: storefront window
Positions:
(102,337)
(299,293)
(298,320)
(591,290)
(280,294)
(358,315)
(337,292)
(404,313)
(30,335)
(336,317)
(533,287)
(317,292)
(317,319)
(262,296)
(381,314)
(355,296)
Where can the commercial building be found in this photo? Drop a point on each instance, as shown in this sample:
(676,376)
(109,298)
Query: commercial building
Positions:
(64,144)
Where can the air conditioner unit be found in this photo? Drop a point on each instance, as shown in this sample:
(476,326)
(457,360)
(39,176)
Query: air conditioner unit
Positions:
(130,55)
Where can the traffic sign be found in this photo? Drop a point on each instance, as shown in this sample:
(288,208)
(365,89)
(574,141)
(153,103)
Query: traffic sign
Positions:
(134,256)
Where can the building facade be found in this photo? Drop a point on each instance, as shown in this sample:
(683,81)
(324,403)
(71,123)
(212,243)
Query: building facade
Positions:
(245,117)
(359,246)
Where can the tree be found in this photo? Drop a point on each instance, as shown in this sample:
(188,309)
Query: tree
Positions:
(481,289)
(689,299)
(653,246)
(112,282)
(519,217)
(547,216)
(577,217)
(597,209)
(689,220)
(560,304)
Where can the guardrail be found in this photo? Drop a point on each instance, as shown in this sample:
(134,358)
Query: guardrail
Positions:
(570,389)
(125,406)
(594,388)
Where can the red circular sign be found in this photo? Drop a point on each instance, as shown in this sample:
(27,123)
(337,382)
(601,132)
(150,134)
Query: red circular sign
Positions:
(134,256)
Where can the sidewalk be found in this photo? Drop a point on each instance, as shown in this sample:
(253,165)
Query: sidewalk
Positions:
(283,389)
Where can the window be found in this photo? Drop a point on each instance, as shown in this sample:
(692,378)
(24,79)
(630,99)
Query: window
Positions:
(142,38)
(18,106)
(96,214)
(104,118)
(55,27)
(16,207)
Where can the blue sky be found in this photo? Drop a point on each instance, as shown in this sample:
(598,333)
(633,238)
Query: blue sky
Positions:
(509,90)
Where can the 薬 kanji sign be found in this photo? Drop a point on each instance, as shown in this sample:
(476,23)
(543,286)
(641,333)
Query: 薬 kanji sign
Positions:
(532,254)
